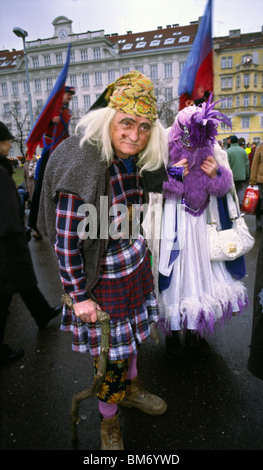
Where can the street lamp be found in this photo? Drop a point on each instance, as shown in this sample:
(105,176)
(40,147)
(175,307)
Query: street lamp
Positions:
(21,33)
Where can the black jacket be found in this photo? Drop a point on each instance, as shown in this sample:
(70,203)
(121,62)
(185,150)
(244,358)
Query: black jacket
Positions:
(16,267)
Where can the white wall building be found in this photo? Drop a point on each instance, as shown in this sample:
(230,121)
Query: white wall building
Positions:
(97,59)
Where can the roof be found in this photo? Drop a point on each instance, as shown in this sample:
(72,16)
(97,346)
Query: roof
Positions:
(237,40)
(161,38)
(8,58)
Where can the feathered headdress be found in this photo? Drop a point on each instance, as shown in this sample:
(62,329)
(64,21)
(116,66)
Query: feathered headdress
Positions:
(196,126)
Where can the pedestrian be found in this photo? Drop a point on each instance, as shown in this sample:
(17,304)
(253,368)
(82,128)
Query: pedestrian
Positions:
(197,294)
(16,269)
(255,360)
(118,152)
(256,178)
(239,164)
(29,169)
(57,131)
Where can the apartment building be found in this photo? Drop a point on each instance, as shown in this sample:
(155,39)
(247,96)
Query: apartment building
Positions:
(238,82)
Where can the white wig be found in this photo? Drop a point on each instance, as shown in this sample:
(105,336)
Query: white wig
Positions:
(94,128)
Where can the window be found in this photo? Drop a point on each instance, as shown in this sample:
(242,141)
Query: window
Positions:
(85,79)
(35,62)
(246,100)
(49,83)
(246,59)
(111,76)
(229,102)
(127,46)
(255,99)
(4,89)
(154,72)
(261,121)
(15,89)
(237,101)
(86,102)
(96,54)
(125,70)
(245,122)
(255,80)
(72,57)
(261,99)
(246,79)
(74,103)
(39,105)
(169,41)
(230,62)
(223,62)
(181,67)
(24,86)
(156,42)
(139,68)
(238,81)
(98,78)
(59,59)
(168,94)
(6,109)
(184,39)
(226,82)
(168,71)
(84,55)
(47,60)
(140,44)
(37,85)
(73,80)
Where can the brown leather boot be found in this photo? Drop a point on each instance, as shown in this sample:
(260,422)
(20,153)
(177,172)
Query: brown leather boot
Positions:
(137,397)
(110,431)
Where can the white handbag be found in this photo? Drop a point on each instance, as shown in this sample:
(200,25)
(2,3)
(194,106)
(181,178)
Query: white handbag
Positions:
(227,245)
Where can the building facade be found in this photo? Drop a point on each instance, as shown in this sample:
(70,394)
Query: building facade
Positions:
(98,59)
(238,71)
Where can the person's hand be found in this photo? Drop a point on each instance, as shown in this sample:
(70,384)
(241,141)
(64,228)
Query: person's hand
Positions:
(184,163)
(209,166)
(86,310)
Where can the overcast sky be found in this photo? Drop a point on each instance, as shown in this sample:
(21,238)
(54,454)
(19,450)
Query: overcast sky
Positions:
(119,16)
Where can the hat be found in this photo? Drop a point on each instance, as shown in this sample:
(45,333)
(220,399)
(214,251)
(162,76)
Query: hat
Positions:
(234,139)
(4,133)
(131,93)
(196,126)
(70,89)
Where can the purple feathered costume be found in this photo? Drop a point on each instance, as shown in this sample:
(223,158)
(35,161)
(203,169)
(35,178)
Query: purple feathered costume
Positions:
(200,294)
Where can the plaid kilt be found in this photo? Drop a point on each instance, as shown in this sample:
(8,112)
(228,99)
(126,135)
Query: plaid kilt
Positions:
(132,305)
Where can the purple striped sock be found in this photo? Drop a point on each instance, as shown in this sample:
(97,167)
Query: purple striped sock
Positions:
(108,410)
(132,369)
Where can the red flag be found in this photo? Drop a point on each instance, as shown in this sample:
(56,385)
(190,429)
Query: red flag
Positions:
(54,101)
(196,80)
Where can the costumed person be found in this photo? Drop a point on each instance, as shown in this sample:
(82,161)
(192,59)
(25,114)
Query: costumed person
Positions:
(56,132)
(196,294)
(118,153)
(17,275)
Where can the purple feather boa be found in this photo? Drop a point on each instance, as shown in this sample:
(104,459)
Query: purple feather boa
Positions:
(197,185)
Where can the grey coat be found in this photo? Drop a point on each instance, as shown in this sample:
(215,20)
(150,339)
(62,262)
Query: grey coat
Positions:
(80,171)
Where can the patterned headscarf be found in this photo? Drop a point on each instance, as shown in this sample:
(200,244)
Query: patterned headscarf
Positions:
(133,93)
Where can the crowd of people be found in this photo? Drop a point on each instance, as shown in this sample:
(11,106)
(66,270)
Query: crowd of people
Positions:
(90,201)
